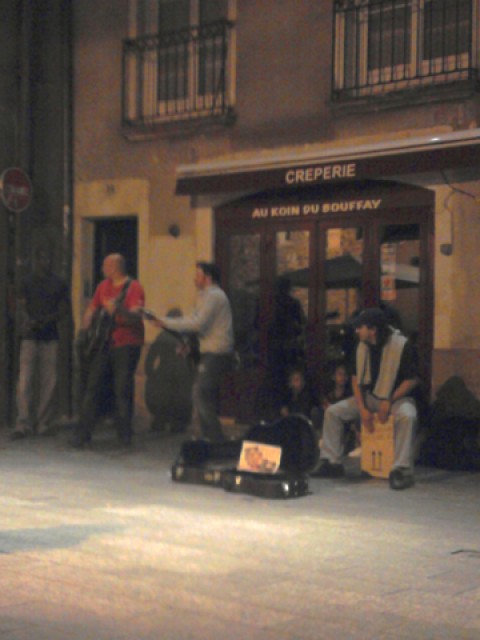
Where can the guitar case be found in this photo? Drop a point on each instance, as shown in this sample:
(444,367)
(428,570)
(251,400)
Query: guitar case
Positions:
(281,485)
(196,474)
(296,437)
(201,462)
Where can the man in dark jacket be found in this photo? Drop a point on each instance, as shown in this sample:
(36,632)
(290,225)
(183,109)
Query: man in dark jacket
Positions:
(43,302)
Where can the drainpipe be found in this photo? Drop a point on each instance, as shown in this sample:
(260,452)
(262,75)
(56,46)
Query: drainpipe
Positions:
(18,223)
(66,19)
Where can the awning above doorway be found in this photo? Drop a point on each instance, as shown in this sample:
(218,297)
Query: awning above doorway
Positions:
(412,159)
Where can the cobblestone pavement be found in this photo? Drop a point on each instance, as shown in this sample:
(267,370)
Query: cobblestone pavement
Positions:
(101,544)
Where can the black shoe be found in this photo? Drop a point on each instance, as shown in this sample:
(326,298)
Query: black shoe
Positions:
(49,432)
(400,479)
(125,440)
(327,469)
(80,440)
(18,435)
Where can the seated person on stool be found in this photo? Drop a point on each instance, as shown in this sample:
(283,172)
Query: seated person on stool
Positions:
(384,375)
(300,397)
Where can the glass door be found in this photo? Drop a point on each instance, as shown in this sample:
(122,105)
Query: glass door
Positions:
(341,291)
(241,264)
(292,280)
(244,294)
(378,263)
(321,272)
(405,284)
(400,275)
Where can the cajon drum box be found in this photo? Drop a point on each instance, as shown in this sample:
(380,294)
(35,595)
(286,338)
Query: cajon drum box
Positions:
(378,448)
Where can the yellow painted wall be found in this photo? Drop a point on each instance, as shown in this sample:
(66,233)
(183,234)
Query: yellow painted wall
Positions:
(166,263)
(457,279)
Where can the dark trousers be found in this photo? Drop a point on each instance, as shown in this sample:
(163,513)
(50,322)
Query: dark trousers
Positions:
(120,363)
(211,370)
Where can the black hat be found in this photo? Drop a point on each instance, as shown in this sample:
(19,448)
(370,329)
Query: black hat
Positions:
(370,318)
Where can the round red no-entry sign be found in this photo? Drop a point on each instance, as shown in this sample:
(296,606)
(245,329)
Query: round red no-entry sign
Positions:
(15,189)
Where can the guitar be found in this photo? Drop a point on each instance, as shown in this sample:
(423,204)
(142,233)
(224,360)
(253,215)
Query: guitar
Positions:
(98,333)
(101,326)
(188,342)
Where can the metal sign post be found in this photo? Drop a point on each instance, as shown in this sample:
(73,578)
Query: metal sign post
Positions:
(16,195)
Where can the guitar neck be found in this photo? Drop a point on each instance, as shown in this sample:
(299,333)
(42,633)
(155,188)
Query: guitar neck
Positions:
(187,340)
(148,314)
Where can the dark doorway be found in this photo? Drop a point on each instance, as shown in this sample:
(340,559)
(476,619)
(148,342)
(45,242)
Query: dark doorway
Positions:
(115,235)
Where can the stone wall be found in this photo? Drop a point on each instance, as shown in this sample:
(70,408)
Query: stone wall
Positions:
(460,362)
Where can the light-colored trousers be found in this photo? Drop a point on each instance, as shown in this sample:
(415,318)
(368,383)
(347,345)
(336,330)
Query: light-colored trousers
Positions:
(37,381)
(405,421)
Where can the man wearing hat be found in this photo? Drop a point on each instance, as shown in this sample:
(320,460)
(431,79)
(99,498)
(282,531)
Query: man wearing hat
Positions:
(385,373)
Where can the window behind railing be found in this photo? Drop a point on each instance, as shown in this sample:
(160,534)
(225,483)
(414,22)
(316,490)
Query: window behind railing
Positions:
(178,73)
(382,46)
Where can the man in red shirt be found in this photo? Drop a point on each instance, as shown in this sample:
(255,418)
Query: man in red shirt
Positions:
(118,299)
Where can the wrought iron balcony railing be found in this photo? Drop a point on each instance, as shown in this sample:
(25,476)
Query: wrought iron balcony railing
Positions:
(387,46)
(177,76)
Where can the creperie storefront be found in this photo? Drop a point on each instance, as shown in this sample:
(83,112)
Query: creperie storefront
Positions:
(345,238)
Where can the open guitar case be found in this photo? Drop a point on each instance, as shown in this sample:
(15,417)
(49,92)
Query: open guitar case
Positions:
(215,464)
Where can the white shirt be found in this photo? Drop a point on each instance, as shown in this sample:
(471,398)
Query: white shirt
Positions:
(211,320)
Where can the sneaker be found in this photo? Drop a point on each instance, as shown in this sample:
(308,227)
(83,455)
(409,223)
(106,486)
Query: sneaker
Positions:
(356,453)
(47,430)
(400,479)
(327,469)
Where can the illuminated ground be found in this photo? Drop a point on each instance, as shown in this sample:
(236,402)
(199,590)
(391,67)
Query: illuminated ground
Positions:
(102,545)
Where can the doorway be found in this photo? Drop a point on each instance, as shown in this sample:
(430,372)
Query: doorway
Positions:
(341,249)
(115,235)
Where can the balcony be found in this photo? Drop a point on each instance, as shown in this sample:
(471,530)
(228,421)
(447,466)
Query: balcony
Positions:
(177,81)
(388,53)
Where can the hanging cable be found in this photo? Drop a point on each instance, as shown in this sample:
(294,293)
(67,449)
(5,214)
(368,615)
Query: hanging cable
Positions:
(456,189)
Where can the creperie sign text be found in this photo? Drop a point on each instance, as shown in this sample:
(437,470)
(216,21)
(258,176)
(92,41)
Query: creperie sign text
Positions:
(315,208)
(321,173)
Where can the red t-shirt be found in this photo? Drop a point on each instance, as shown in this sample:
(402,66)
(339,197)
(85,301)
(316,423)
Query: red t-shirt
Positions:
(124,333)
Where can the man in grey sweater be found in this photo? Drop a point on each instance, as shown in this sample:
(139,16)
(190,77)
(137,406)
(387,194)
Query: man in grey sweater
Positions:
(211,322)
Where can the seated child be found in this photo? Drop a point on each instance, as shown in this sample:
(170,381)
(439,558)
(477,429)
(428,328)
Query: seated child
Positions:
(300,397)
(341,388)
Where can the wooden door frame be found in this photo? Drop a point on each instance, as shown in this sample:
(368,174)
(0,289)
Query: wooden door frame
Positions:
(403,202)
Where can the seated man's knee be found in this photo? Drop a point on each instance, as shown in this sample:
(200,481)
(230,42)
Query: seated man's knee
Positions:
(329,411)
(334,410)
(407,411)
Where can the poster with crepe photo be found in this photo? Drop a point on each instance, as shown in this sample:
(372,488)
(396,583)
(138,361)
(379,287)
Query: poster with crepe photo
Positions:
(259,458)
